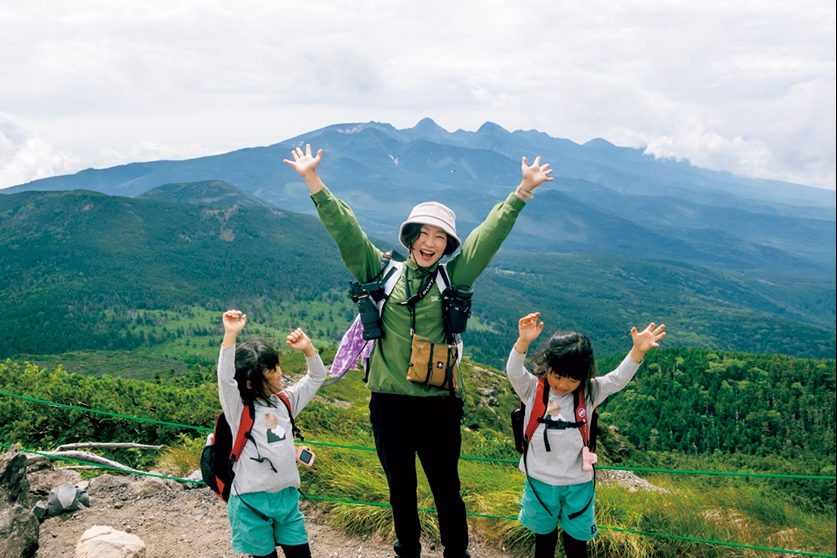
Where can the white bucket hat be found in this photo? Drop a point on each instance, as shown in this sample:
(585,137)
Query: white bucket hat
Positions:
(438,215)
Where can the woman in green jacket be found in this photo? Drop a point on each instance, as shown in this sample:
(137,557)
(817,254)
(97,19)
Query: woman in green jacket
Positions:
(410,418)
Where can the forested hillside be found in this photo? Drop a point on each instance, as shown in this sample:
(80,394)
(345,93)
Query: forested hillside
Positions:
(82,271)
(686,410)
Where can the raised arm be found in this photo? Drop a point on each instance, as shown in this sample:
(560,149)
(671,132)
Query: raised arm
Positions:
(643,341)
(361,257)
(234,321)
(646,340)
(303,391)
(528,329)
(532,176)
(522,381)
(305,164)
(485,240)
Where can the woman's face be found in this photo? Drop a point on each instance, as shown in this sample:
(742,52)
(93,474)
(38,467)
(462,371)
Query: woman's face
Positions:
(430,245)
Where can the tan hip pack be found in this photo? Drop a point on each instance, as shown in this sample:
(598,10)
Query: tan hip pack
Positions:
(432,364)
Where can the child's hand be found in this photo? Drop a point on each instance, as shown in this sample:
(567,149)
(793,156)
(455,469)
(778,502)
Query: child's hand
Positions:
(234,321)
(528,329)
(299,341)
(646,340)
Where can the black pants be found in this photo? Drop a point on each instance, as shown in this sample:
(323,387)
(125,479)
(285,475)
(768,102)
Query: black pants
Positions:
(295,551)
(405,426)
(545,546)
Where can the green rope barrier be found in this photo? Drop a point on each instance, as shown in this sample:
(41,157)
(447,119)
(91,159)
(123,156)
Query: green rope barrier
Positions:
(102,465)
(462,458)
(105,413)
(350,501)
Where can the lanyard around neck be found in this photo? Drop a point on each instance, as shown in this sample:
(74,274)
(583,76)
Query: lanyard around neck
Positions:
(412,300)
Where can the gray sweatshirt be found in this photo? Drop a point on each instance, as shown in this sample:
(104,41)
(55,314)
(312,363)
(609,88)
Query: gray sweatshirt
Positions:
(562,465)
(271,429)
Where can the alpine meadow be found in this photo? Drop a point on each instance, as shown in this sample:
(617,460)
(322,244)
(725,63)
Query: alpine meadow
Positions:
(113,282)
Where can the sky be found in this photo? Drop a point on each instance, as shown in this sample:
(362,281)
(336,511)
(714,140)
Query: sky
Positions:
(745,86)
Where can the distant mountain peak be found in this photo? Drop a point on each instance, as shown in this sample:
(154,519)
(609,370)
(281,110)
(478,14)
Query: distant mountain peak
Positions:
(358,127)
(490,128)
(428,124)
(427,129)
(599,142)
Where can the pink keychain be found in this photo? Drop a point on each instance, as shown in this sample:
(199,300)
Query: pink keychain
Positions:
(588,459)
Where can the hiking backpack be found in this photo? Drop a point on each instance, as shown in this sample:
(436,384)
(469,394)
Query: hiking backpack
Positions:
(219,455)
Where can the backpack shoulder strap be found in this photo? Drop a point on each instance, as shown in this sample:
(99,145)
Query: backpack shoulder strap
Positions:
(245,425)
(538,409)
(294,430)
(442,279)
(581,414)
(391,273)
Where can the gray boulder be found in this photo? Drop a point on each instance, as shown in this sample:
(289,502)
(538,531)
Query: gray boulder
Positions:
(19,528)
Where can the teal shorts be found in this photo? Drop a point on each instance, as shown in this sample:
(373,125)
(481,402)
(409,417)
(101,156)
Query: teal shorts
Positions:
(251,534)
(562,501)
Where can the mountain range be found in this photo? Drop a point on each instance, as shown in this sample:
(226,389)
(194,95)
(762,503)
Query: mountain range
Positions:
(605,199)
(615,234)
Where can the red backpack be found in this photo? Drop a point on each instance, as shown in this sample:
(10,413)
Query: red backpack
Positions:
(523,435)
(218,456)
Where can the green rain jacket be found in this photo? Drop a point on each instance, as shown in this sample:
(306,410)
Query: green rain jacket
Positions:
(390,359)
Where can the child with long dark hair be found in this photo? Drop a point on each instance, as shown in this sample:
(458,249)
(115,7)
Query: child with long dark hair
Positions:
(264,500)
(559,485)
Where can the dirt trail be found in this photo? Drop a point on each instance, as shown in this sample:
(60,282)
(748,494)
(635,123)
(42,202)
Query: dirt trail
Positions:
(176,522)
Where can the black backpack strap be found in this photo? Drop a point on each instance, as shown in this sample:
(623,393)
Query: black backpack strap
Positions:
(545,402)
(532,486)
(590,501)
(259,514)
(296,432)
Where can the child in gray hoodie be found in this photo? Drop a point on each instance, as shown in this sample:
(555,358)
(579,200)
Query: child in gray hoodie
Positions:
(559,485)
(264,500)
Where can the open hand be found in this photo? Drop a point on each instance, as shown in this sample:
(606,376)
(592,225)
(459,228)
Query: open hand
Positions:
(646,339)
(535,174)
(528,329)
(304,163)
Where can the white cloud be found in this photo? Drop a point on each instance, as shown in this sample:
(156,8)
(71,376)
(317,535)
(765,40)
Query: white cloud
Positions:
(745,86)
(25,157)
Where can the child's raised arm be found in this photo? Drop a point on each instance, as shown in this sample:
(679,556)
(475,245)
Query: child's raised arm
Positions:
(646,340)
(299,341)
(234,321)
(528,329)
